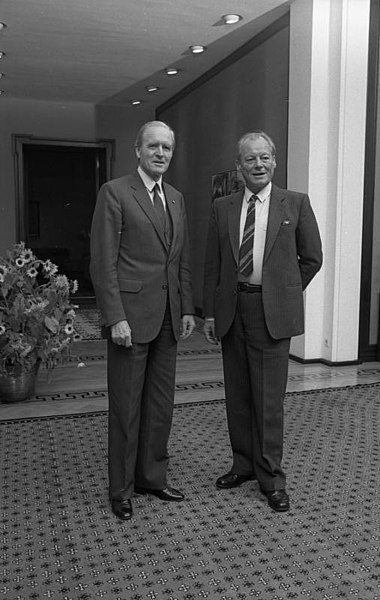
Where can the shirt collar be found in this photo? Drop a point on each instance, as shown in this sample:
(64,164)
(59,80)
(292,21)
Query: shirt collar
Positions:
(148,181)
(262,194)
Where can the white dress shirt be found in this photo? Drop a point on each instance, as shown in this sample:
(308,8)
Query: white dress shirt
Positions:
(261,222)
(150,183)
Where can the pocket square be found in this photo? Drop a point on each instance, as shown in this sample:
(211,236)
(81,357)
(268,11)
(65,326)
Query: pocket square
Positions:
(285,223)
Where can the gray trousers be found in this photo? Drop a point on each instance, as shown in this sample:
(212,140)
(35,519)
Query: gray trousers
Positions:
(141,397)
(255,372)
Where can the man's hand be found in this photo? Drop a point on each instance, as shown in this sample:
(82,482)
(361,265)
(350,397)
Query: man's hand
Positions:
(209,331)
(188,326)
(121,334)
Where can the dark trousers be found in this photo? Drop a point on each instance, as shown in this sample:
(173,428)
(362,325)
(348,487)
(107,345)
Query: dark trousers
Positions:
(255,372)
(141,398)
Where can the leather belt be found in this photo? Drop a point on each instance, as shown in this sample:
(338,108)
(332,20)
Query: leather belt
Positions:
(249,288)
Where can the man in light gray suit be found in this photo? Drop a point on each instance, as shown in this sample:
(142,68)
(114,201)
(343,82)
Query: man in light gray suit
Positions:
(140,269)
(263,250)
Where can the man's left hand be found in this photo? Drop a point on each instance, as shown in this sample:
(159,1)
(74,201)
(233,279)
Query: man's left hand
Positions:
(188,326)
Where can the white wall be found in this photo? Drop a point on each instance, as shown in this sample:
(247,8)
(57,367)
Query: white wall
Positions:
(327,110)
(40,119)
(327,113)
(122,124)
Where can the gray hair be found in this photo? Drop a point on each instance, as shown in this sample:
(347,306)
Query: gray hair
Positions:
(254,135)
(142,130)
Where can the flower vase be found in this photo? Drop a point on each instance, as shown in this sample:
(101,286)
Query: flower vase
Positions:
(18,383)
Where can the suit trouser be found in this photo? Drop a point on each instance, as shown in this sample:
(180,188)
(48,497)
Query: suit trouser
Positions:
(141,398)
(255,372)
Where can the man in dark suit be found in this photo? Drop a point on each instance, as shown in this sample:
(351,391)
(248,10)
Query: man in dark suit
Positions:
(140,269)
(263,250)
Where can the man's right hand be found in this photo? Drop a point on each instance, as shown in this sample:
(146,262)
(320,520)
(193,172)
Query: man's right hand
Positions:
(121,334)
(209,331)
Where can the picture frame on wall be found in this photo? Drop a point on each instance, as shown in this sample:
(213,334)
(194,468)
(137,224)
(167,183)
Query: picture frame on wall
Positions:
(225,183)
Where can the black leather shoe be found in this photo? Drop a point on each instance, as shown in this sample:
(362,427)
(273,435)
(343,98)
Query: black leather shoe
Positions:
(169,494)
(122,509)
(231,480)
(278,500)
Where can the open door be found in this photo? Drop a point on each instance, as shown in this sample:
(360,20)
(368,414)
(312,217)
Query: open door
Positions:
(57,187)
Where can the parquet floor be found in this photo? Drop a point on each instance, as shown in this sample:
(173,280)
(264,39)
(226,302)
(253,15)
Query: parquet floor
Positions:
(77,389)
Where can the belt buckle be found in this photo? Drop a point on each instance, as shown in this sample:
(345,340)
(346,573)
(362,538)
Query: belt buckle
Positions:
(244,286)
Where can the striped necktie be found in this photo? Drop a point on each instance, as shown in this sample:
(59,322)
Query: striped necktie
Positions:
(246,248)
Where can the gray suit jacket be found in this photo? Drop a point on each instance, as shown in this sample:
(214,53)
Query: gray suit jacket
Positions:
(133,268)
(292,257)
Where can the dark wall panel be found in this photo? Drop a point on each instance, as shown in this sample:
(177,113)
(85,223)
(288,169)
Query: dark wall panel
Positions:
(250,93)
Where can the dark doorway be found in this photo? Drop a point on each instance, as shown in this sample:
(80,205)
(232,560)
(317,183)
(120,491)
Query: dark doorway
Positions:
(59,188)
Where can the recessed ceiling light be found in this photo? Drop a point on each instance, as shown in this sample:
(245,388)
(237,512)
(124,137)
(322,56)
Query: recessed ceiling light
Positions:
(1,75)
(2,54)
(197,49)
(231,19)
(2,26)
(171,71)
(152,88)
(135,102)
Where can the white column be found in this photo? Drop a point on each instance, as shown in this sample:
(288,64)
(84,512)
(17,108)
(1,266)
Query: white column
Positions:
(327,113)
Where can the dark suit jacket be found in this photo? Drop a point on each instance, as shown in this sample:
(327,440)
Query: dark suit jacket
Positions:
(292,257)
(132,266)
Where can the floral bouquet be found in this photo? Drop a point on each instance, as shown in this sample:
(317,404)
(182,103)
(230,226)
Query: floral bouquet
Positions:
(36,316)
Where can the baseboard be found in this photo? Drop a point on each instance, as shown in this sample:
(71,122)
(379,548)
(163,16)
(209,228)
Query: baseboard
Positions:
(372,354)
(323,361)
(84,301)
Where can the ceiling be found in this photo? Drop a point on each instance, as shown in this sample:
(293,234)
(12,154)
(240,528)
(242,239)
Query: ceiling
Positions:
(108,51)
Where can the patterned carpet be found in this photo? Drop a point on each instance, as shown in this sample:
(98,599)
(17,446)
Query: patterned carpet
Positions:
(87,323)
(61,541)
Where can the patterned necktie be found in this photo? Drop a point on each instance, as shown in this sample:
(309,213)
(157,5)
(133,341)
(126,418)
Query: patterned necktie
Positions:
(246,248)
(157,203)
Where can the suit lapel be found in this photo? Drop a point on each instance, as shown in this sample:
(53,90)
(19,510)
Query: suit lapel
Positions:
(234,210)
(142,197)
(275,218)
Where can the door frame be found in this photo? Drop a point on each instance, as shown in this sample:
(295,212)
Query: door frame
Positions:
(18,143)
(366,351)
